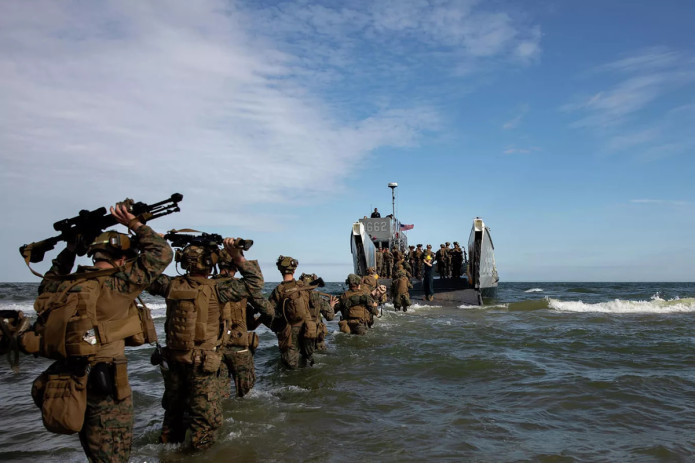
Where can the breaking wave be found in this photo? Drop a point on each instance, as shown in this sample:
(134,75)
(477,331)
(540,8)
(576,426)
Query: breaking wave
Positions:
(655,305)
(534,290)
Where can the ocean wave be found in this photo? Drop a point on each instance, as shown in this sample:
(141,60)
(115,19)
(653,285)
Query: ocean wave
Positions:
(534,290)
(655,305)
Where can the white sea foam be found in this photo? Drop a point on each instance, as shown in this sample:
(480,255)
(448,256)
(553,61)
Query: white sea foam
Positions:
(534,290)
(655,305)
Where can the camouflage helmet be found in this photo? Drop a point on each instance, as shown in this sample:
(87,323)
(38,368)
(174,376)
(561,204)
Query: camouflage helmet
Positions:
(419,245)
(400,274)
(456,243)
(286,264)
(441,245)
(447,244)
(371,271)
(308,277)
(196,258)
(225,261)
(353,280)
(109,244)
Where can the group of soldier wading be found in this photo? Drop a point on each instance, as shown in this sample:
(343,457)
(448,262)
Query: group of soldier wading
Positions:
(87,318)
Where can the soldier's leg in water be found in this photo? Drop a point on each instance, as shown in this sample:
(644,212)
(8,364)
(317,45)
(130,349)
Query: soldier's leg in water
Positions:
(173,402)
(406,302)
(206,408)
(107,434)
(224,381)
(243,370)
(290,356)
(308,346)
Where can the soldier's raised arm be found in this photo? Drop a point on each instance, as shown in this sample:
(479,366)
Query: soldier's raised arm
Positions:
(155,252)
(251,283)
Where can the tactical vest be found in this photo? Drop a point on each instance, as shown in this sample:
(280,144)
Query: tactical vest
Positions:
(87,317)
(354,303)
(194,320)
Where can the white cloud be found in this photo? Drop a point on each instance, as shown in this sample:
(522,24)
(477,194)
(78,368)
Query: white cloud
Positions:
(643,78)
(235,104)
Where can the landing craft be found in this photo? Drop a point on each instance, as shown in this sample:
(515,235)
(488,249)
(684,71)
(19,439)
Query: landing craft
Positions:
(480,269)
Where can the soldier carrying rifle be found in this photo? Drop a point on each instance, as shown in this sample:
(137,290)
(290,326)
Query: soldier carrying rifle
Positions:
(86,319)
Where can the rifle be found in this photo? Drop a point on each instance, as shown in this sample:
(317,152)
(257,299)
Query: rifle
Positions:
(88,224)
(206,240)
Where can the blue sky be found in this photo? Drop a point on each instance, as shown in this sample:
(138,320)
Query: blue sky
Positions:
(568,126)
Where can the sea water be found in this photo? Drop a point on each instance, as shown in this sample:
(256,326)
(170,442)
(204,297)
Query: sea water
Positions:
(550,372)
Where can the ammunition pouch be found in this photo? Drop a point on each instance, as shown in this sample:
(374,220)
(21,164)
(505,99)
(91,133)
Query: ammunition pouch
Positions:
(210,362)
(237,338)
(322,331)
(344,328)
(310,330)
(148,333)
(61,394)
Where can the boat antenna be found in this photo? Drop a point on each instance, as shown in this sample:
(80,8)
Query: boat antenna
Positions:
(393,186)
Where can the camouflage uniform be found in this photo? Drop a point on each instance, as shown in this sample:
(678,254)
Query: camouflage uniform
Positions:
(238,356)
(107,433)
(388,263)
(379,262)
(441,258)
(399,291)
(456,261)
(319,307)
(357,308)
(192,392)
(416,262)
(296,332)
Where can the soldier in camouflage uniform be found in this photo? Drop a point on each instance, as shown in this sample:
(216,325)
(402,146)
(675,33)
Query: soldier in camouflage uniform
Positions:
(107,432)
(399,291)
(319,307)
(379,261)
(441,258)
(416,262)
(388,263)
(456,260)
(240,342)
(357,307)
(195,329)
(447,260)
(293,323)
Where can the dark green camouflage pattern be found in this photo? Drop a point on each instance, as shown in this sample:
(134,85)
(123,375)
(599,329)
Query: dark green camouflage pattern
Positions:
(239,365)
(107,433)
(192,405)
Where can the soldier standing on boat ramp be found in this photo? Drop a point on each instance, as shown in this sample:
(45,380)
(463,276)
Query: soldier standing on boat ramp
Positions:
(441,257)
(416,262)
(456,260)
(388,263)
(379,262)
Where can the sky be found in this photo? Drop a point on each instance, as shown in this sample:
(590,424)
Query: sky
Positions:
(568,126)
